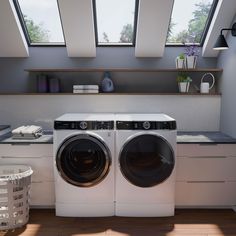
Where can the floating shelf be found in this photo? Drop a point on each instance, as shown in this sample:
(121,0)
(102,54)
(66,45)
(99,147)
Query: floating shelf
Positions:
(122,70)
(107,94)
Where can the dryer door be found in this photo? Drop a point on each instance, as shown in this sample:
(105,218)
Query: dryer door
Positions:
(83,160)
(147,160)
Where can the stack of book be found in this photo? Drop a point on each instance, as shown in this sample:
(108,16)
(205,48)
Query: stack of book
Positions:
(85,88)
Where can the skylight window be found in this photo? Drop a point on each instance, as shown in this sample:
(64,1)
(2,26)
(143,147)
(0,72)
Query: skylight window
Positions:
(42,21)
(115,22)
(189,21)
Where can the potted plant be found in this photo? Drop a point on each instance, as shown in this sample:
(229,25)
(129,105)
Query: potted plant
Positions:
(191,52)
(180,61)
(183,82)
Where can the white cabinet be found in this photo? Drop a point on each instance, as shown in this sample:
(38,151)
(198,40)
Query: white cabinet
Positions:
(206,175)
(40,158)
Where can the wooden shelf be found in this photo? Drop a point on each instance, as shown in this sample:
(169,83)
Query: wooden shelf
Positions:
(122,70)
(107,94)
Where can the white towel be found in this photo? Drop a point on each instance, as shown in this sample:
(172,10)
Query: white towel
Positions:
(29,129)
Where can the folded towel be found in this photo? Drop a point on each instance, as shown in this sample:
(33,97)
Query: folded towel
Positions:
(27,130)
(85,86)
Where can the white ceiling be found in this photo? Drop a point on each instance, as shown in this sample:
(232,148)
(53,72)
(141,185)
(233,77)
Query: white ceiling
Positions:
(224,14)
(78,25)
(152,27)
(12,39)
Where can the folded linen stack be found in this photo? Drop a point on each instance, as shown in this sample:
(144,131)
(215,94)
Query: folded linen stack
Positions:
(85,88)
(27,132)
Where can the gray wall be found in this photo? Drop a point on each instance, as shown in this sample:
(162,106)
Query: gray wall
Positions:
(227,86)
(42,110)
(192,113)
(13,78)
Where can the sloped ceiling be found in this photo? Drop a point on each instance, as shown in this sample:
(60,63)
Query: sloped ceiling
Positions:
(78,24)
(153,22)
(12,39)
(224,14)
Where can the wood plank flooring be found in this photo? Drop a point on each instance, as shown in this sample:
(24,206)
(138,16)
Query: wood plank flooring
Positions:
(184,223)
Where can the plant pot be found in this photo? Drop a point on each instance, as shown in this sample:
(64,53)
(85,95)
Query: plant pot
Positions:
(191,62)
(179,63)
(183,87)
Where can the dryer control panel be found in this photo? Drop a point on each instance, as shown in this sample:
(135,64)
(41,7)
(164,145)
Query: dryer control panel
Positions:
(146,125)
(83,125)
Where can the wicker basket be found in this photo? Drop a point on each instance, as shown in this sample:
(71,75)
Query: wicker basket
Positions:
(14,195)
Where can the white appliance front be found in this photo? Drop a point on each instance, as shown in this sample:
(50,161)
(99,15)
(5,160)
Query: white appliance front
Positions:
(82,187)
(145,166)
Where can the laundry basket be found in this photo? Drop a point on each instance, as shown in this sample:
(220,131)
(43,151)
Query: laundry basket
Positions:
(14,195)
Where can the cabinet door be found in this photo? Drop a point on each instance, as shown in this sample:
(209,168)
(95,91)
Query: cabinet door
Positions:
(206,175)
(26,150)
(40,158)
(42,194)
(199,168)
(205,193)
(42,166)
(188,150)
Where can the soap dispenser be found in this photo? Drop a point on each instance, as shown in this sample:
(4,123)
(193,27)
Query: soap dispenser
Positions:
(107,84)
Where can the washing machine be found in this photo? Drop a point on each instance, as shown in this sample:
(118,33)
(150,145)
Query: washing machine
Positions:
(145,165)
(84,165)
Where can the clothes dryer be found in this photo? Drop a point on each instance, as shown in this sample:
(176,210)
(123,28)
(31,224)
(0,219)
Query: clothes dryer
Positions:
(145,165)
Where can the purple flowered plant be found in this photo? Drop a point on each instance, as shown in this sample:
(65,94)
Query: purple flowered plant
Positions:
(191,50)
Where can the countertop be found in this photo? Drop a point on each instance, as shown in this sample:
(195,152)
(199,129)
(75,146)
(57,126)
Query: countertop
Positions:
(182,138)
(204,137)
(46,138)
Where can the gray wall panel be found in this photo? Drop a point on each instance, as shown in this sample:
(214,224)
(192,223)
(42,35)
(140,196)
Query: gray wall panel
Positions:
(14,79)
(227,86)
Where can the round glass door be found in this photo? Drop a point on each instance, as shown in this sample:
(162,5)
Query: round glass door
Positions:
(83,160)
(147,160)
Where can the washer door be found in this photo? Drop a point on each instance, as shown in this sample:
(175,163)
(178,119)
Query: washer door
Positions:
(83,160)
(147,160)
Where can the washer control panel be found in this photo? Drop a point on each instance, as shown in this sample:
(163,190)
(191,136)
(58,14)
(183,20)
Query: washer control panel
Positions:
(145,125)
(83,125)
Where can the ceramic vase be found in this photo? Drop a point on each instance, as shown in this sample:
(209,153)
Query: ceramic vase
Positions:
(179,63)
(191,62)
(183,87)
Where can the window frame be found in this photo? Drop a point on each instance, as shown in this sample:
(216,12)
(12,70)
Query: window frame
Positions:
(205,30)
(136,8)
(26,33)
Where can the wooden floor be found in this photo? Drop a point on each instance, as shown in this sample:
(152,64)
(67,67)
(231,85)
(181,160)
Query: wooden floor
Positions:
(184,223)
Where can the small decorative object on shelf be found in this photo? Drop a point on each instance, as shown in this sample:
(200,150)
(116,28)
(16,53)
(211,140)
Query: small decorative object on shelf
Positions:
(205,86)
(86,88)
(107,84)
(54,85)
(42,84)
(191,52)
(180,61)
(183,82)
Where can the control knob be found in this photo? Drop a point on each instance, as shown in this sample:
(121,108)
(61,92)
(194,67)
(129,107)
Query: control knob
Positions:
(146,125)
(83,125)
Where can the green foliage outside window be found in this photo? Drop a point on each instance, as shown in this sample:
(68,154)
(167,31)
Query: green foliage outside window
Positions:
(195,26)
(36,32)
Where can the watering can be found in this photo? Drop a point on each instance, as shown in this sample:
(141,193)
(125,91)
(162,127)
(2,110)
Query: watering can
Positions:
(205,87)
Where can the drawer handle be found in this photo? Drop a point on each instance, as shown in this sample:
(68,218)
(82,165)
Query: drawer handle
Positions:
(208,157)
(208,144)
(194,182)
(20,144)
(11,157)
(36,182)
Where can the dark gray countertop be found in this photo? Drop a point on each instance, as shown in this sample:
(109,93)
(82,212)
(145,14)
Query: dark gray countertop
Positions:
(182,138)
(204,137)
(44,139)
